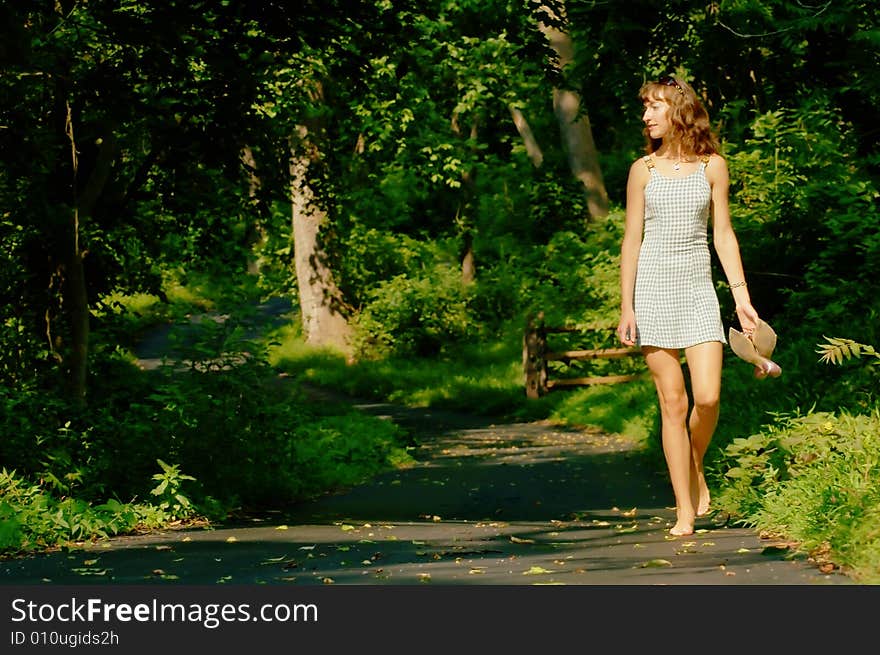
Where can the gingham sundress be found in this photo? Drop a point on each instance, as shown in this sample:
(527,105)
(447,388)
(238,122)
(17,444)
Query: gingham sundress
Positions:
(675,302)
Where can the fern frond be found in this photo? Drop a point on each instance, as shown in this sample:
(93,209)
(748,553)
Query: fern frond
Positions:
(838,349)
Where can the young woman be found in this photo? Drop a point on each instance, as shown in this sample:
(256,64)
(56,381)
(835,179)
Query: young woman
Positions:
(668,301)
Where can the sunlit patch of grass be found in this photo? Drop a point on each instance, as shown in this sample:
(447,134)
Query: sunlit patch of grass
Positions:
(484,378)
(629,408)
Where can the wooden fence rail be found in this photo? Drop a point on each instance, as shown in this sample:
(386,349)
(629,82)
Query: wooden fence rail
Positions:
(536,355)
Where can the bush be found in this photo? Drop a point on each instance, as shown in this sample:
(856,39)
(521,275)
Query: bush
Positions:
(811,478)
(415,315)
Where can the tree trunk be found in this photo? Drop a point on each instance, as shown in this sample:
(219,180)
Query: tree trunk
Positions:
(463,217)
(321,304)
(574,124)
(75,292)
(255,234)
(533,150)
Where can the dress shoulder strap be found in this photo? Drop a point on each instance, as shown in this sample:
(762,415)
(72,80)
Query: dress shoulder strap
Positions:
(649,161)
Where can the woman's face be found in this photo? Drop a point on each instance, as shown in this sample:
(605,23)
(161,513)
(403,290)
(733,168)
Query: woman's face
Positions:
(656,117)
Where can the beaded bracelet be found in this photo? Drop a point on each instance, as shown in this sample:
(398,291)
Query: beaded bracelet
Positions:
(738,284)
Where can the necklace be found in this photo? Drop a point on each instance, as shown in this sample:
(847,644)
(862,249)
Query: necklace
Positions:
(676,165)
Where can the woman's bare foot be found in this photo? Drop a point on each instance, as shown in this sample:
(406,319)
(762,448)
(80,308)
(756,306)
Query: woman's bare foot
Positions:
(699,493)
(702,503)
(684,524)
(681,529)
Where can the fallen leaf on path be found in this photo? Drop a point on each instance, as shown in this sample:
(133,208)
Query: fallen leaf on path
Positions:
(346,527)
(281,527)
(307,548)
(537,570)
(743,550)
(476,571)
(90,562)
(632,528)
(163,548)
(424,577)
(708,543)
(231,540)
(328,580)
(187,539)
(274,560)
(629,512)
(517,540)
(655,563)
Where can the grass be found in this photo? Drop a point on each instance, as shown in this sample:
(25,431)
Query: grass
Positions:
(485,378)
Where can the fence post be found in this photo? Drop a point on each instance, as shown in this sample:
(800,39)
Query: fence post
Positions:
(534,348)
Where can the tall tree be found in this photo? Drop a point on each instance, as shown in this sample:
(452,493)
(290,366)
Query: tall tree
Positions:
(574,121)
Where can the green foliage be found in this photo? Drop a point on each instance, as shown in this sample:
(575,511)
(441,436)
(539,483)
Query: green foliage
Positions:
(33,517)
(811,477)
(801,201)
(837,350)
(168,494)
(407,316)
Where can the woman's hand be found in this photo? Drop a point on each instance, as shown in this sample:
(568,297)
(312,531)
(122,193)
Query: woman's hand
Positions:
(626,329)
(748,318)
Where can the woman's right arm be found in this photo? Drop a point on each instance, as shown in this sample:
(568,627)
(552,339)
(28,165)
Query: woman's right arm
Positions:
(629,249)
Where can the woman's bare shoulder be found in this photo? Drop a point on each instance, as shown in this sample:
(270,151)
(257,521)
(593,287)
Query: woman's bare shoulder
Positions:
(716,167)
(640,169)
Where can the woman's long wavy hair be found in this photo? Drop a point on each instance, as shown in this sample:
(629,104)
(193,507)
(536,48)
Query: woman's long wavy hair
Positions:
(688,118)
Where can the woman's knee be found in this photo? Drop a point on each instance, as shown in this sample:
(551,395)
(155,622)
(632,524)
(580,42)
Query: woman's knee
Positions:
(706,401)
(674,404)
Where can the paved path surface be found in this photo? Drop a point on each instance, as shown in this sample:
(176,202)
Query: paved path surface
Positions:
(488,504)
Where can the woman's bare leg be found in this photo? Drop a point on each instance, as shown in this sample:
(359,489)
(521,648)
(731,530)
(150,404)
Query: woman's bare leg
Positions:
(704,361)
(665,368)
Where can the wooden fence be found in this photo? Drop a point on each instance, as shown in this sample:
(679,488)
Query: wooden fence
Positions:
(536,355)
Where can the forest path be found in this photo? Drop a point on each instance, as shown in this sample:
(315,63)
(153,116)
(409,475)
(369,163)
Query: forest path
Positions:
(489,503)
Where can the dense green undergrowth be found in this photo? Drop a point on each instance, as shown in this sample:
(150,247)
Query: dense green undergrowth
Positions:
(211,432)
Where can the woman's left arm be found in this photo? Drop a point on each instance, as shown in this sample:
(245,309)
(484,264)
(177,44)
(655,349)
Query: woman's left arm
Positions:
(726,244)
